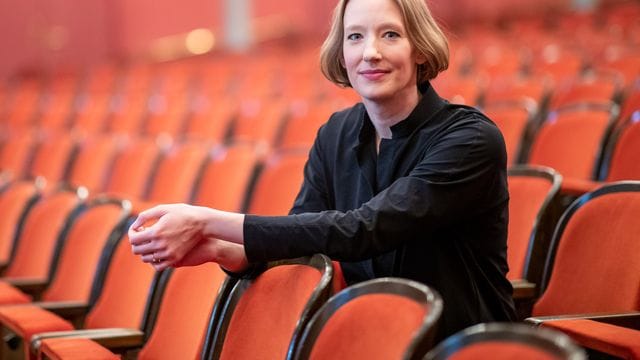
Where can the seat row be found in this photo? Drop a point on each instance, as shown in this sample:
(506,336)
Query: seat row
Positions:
(584,261)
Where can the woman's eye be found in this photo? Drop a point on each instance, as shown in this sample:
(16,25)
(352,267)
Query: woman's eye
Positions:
(354,36)
(391,35)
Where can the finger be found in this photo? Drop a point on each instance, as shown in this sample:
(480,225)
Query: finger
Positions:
(139,237)
(147,215)
(148,258)
(161,265)
(145,248)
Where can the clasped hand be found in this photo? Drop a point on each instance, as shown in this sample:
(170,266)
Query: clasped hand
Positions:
(175,235)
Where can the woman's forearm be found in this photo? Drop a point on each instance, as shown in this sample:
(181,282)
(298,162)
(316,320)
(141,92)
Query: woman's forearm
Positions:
(224,225)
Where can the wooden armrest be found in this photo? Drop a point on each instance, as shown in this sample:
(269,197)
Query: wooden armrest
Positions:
(31,286)
(629,320)
(113,338)
(65,309)
(523,290)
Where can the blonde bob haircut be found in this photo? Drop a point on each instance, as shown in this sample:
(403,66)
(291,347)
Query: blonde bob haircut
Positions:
(422,30)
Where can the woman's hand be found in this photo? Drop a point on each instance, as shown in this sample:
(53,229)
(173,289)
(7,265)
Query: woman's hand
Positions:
(185,235)
(227,254)
(177,229)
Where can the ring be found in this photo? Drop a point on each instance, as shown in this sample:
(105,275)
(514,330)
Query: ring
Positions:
(153,258)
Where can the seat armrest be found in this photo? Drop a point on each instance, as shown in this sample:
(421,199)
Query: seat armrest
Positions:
(629,320)
(523,290)
(69,310)
(112,338)
(610,334)
(31,286)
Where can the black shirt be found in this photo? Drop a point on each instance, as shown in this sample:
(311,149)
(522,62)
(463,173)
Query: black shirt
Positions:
(431,206)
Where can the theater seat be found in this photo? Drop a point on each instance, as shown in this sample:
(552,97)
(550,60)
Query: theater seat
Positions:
(593,255)
(614,335)
(264,316)
(385,318)
(77,277)
(532,216)
(176,325)
(505,341)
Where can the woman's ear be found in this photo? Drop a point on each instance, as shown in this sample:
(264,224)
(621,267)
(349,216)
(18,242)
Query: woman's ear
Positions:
(421,59)
(342,62)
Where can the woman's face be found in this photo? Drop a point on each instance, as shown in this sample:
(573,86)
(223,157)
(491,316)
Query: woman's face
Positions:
(379,58)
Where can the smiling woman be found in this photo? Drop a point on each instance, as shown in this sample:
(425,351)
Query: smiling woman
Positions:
(403,184)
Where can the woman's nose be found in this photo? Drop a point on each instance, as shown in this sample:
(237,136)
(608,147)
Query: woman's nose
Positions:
(371,51)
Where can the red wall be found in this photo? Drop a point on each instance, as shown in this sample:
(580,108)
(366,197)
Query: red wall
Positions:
(46,34)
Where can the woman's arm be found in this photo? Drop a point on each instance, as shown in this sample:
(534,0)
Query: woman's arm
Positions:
(183,235)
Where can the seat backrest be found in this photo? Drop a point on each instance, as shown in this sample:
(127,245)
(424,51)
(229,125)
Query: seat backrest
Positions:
(621,158)
(593,255)
(92,162)
(177,172)
(513,120)
(518,88)
(211,119)
(570,141)
(47,222)
(184,312)
(384,318)
(123,297)
(263,317)
(503,341)
(302,126)
(15,153)
(225,179)
(596,89)
(129,114)
(15,202)
(92,112)
(52,157)
(132,168)
(630,104)
(278,184)
(259,121)
(531,192)
(24,104)
(96,229)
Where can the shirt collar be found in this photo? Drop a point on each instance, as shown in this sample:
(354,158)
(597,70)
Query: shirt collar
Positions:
(429,104)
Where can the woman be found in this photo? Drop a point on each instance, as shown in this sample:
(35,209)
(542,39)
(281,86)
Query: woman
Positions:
(403,184)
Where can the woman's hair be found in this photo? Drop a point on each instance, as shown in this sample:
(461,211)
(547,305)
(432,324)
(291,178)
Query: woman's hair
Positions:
(422,30)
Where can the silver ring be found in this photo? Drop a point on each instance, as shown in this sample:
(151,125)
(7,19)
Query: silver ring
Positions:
(153,258)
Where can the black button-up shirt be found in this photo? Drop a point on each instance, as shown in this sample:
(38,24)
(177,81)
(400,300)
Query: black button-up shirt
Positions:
(430,206)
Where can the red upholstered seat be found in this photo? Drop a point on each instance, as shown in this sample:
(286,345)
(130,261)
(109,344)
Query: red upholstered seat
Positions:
(607,338)
(278,183)
(38,241)
(502,350)
(570,142)
(28,320)
(506,341)
(74,349)
(264,316)
(531,191)
(594,255)
(385,318)
(350,331)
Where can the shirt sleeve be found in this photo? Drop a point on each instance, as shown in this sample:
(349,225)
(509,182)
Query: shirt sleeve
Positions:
(458,177)
(314,194)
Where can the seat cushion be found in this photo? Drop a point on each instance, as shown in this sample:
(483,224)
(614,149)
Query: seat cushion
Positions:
(9,294)
(74,349)
(28,320)
(610,339)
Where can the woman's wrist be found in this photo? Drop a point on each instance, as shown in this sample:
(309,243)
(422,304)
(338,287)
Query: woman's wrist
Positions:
(223,225)
(232,257)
